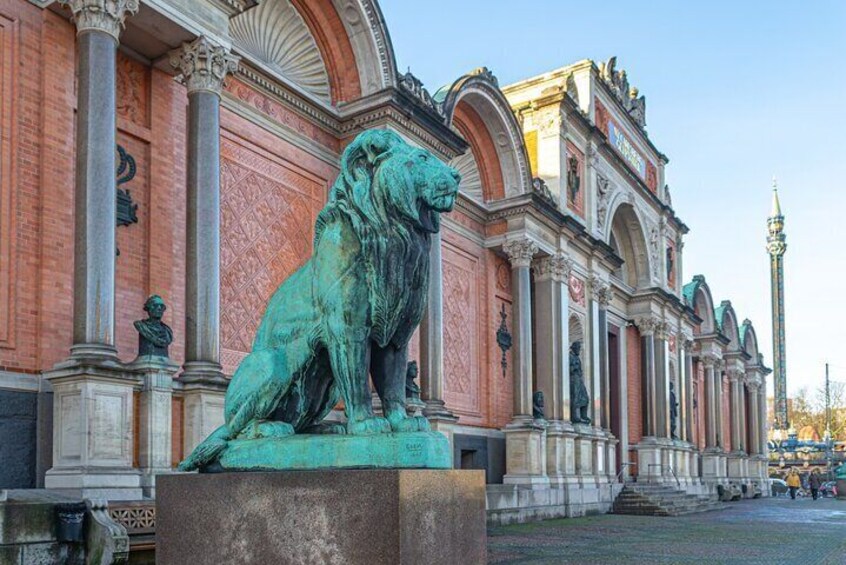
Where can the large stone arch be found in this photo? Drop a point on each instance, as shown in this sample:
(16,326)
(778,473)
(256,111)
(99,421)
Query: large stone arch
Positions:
(727,324)
(628,238)
(697,294)
(497,165)
(330,50)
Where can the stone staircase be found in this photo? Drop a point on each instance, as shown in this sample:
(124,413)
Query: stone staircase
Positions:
(661,500)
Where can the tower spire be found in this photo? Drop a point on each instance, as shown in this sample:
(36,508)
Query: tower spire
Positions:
(776,212)
(776,247)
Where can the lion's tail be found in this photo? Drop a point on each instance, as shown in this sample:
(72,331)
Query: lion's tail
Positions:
(208,450)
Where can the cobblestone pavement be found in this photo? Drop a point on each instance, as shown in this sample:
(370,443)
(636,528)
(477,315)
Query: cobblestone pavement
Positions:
(765,531)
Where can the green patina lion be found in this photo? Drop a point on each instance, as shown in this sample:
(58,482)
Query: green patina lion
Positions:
(350,311)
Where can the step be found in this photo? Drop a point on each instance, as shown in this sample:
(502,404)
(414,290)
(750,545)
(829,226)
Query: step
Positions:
(661,500)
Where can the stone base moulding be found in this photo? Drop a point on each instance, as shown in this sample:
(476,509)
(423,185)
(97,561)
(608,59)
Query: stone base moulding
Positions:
(366,517)
(93,425)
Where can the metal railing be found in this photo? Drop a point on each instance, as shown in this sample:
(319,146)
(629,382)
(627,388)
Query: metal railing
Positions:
(662,468)
(620,478)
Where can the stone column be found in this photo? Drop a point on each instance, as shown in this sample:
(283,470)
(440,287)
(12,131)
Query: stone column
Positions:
(98,24)
(647,327)
(710,409)
(648,449)
(432,343)
(203,66)
(735,399)
(92,394)
(662,382)
(525,449)
(686,405)
(753,439)
(552,306)
(762,418)
(600,298)
(520,253)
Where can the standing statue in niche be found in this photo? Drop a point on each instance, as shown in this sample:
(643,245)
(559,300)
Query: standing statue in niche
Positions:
(537,406)
(579,399)
(154,336)
(674,411)
(341,320)
(573,181)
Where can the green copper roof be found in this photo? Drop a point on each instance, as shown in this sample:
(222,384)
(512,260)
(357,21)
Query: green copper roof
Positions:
(719,311)
(689,290)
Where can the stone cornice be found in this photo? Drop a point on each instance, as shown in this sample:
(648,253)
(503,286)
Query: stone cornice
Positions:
(203,65)
(107,16)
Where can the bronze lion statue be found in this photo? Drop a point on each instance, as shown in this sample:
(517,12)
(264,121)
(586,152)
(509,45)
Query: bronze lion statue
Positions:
(350,311)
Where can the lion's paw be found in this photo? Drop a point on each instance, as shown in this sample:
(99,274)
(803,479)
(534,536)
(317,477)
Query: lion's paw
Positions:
(369,426)
(258,429)
(411,424)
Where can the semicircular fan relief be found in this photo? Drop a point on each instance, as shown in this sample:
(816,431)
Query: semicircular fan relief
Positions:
(471,180)
(276,34)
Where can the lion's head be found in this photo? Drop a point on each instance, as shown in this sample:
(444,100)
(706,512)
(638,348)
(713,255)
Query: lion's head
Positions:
(384,180)
(387,190)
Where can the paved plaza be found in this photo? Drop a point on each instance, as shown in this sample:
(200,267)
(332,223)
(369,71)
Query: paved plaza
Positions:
(769,531)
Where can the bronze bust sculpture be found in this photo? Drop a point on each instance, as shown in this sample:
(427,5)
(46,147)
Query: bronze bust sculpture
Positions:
(154,336)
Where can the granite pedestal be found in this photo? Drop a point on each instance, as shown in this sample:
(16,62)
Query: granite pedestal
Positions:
(349,517)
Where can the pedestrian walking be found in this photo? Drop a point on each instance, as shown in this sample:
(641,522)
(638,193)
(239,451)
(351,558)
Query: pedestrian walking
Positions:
(815,482)
(793,482)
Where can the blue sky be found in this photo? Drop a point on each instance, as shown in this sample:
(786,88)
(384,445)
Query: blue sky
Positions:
(736,92)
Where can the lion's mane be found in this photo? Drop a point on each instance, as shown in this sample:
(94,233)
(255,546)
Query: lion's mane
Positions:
(376,193)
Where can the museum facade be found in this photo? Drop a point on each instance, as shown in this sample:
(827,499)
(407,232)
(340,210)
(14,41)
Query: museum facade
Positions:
(183,148)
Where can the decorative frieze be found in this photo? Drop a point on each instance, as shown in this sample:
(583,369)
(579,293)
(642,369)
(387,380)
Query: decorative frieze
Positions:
(556,268)
(520,252)
(106,16)
(203,65)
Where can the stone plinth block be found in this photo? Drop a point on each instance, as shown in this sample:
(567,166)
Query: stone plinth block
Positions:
(350,517)
(409,450)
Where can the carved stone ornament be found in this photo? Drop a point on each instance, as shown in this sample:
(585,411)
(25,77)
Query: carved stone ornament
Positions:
(601,291)
(503,340)
(486,74)
(101,15)
(654,245)
(203,65)
(414,86)
(647,325)
(540,188)
(520,252)
(556,268)
(628,96)
(604,189)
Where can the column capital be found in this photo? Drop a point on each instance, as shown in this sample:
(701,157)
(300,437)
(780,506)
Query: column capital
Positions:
(520,252)
(203,65)
(710,360)
(648,325)
(686,341)
(601,291)
(735,375)
(106,16)
(556,268)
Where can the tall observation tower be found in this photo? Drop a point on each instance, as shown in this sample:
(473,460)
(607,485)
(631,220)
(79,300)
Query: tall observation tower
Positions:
(776,246)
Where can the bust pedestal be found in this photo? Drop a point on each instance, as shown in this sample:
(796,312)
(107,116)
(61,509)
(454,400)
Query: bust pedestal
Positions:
(367,517)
